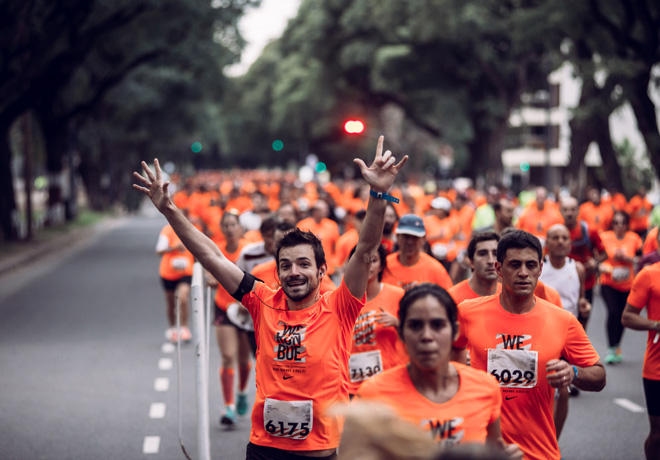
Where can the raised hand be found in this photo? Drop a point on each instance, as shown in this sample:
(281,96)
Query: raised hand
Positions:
(382,172)
(155,188)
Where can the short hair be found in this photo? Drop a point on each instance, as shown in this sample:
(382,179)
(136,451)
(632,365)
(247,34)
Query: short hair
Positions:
(382,252)
(422,290)
(230,212)
(478,238)
(624,214)
(284,227)
(269,224)
(297,237)
(518,239)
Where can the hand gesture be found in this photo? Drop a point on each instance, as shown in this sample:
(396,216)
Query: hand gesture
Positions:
(380,175)
(386,319)
(155,188)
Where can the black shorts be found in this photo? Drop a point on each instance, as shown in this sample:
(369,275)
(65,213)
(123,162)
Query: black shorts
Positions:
(255,452)
(652,393)
(170,285)
(220,317)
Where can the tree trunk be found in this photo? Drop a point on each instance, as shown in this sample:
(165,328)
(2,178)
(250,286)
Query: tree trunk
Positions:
(7,195)
(611,167)
(647,121)
(56,139)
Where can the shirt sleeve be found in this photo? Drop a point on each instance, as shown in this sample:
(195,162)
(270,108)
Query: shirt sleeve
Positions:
(461,342)
(639,293)
(577,348)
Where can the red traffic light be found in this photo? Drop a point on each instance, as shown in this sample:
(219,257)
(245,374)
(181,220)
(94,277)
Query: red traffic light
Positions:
(354,127)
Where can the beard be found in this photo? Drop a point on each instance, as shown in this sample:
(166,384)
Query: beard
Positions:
(388,228)
(300,291)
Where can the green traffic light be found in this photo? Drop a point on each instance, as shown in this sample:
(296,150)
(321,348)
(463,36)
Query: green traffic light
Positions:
(278,145)
(321,167)
(196,147)
(524,166)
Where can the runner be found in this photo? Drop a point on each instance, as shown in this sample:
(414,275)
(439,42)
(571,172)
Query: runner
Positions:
(376,345)
(644,293)
(409,265)
(175,269)
(481,255)
(303,338)
(519,339)
(616,278)
(539,215)
(454,403)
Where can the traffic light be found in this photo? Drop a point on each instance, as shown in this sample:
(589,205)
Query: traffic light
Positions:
(278,145)
(196,147)
(354,127)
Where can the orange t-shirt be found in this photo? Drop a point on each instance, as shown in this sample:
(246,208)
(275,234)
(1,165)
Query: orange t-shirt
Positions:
(537,222)
(345,244)
(516,348)
(223,298)
(617,273)
(175,264)
(645,292)
(328,232)
(267,272)
(651,241)
(426,270)
(598,217)
(545,292)
(463,291)
(376,347)
(301,367)
(639,210)
(463,419)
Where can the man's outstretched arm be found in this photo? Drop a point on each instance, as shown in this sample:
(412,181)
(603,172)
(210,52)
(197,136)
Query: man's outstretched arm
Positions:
(201,246)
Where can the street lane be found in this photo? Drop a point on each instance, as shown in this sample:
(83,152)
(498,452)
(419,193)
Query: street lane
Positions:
(81,338)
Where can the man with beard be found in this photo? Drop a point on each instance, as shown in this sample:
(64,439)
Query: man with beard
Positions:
(391,219)
(304,338)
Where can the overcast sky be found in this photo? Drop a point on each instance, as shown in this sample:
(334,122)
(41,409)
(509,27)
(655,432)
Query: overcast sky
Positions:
(261,25)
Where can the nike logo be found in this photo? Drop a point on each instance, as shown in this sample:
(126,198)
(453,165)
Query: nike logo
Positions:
(510,397)
(287,377)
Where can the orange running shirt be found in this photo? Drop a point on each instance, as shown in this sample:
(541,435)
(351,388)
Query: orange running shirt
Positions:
(537,222)
(463,419)
(545,292)
(598,217)
(301,367)
(426,270)
(516,348)
(222,298)
(651,241)
(176,264)
(645,292)
(617,273)
(376,347)
(463,291)
(328,232)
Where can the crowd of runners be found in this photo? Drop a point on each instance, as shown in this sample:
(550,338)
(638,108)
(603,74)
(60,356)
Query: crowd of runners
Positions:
(458,313)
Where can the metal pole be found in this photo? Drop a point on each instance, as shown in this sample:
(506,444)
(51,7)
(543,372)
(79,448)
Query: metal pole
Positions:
(201,374)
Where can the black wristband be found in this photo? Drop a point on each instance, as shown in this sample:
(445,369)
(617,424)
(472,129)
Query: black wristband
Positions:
(383,196)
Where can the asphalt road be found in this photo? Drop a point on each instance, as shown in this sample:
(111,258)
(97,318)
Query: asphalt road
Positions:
(82,365)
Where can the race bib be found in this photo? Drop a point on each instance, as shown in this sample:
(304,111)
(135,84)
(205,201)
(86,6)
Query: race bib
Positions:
(514,368)
(365,365)
(288,419)
(179,263)
(620,273)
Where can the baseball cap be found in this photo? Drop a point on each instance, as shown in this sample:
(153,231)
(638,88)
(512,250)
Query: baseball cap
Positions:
(410,224)
(441,203)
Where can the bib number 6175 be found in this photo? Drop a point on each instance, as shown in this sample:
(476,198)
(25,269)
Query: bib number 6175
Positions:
(288,419)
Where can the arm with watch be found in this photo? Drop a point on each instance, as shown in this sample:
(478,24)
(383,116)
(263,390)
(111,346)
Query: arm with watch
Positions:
(632,318)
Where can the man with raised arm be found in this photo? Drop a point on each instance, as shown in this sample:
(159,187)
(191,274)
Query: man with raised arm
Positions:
(303,337)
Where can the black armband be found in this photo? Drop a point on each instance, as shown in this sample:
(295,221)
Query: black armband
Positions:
(246,286)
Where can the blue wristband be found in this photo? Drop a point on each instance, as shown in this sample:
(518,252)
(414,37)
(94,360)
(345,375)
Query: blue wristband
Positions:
(383,196)
(575,376)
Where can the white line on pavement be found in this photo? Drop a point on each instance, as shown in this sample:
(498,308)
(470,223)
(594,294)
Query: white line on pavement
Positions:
(164,364)
(162,384)
(157,410)
(167,347)
(629,405)
(151,444)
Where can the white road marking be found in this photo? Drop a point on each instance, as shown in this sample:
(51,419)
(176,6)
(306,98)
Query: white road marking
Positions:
(151,445)
(629,405)
(167,347)
(157,410)
(162,384)
(164,364)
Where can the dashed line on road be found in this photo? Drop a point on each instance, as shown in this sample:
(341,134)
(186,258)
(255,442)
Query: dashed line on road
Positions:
(629,405)
(165,364)
(151,444)
(162,384)
(157,410)
(167,347)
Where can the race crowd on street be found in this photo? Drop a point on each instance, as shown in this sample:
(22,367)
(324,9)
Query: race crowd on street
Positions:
(387,319)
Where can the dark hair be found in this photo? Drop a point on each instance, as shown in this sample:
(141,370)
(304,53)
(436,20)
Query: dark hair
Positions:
(478,238)
(518,239)
(269,224)
(297,237)
(284,227)
(230,212)
(382,252)
(422,290)
(624,214)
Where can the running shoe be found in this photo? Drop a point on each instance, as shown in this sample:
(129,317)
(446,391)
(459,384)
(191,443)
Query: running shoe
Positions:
(228,417)
(241,403)
(612,356)
(171,335)
(186,336)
